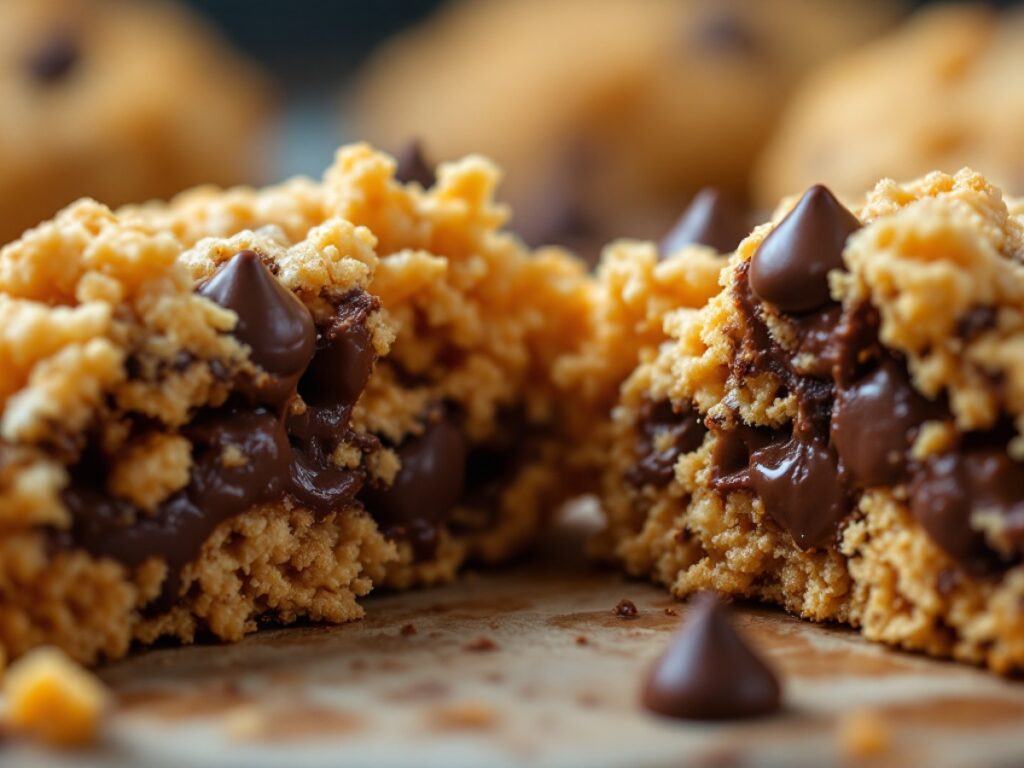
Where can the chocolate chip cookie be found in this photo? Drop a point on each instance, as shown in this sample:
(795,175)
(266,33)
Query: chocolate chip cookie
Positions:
(258,404)
(934,94)
(839,430)
(607,115)
(120,101)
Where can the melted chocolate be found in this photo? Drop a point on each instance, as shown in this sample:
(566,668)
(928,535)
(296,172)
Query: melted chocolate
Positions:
(250,451)
(857,417)
(428,484)
(710,220)
(682,431)
(790,269)
(413,166)
(709,672)
(875,422)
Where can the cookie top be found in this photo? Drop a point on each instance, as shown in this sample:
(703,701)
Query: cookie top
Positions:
(606,128)
(120,101)
(938,93)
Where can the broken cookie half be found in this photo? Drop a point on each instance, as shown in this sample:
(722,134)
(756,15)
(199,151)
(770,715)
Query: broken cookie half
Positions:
(839,430)
(257,405)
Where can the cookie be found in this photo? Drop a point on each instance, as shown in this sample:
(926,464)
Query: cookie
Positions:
(121,101)
(607,116)
(259,404)
(839,430)
(937,93)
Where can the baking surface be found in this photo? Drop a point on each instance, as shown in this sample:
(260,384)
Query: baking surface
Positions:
(529,665)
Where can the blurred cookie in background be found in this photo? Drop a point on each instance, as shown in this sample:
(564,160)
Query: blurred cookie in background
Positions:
(120,100)
(941,92)
(608,115)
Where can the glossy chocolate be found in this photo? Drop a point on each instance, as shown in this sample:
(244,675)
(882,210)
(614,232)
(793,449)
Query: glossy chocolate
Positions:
(709,672)
(790,268)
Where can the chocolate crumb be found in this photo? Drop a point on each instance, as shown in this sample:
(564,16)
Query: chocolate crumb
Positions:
(626,609)
(481,645)
(408,630)
(582,640)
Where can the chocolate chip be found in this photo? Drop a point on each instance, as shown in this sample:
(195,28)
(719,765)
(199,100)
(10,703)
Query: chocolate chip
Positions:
(949,489)
(413,167)
(709,672)
(798,482)
(975,322)
(723,30)
(428,484)
(790,269)
(664,434)
(55,58)
(711,220)
(272,321)
(875,421)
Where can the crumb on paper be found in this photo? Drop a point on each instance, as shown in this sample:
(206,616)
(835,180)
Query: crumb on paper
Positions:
(50,698)
(465,716)
(582,640)
(407,630)
(626,609)
(671,612)
(863,733)
(481,645)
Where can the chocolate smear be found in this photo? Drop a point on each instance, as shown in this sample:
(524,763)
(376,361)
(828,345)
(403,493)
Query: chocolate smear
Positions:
(790,268)
(709,672)
(711,220)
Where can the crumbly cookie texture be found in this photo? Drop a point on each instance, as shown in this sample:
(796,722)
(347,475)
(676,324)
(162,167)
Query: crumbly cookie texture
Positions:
(933,94)
(838,430)
(154,465)
(624,125)
(472,311)
(49,698)
(121,101)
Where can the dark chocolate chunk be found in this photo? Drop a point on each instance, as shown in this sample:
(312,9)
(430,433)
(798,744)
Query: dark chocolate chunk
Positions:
(790,269)
(413,167)
(428,484)
(731,454)
(271,320)
(798,482)
(875,421)
(344,356)
(55,58)
(709,672)
(678,431)
(948,489)
(711,220)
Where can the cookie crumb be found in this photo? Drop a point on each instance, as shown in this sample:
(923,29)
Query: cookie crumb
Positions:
(466,716)
(53,700)
(626,609)
(582,640)
(481,645)
(671,612)
(863,733)
(407,630)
